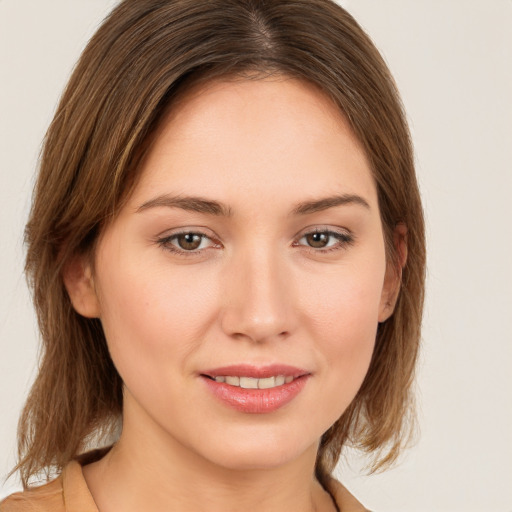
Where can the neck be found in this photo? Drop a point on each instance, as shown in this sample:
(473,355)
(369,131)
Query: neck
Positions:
(147,472)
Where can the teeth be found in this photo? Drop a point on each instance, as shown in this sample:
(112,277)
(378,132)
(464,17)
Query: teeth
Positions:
(281,379)
(248,383)
(267,383)
(252,383)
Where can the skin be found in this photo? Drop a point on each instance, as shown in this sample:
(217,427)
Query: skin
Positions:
(255,291)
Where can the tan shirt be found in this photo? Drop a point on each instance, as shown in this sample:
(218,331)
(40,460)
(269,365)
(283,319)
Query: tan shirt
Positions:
(69,493)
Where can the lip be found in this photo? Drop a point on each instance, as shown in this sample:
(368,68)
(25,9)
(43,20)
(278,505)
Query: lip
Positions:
(256,401)
(257,372)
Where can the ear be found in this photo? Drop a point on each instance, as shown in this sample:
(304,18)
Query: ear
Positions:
(393,277)
(79,282)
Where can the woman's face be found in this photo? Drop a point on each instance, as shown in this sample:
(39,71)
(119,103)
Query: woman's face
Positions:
(241,285)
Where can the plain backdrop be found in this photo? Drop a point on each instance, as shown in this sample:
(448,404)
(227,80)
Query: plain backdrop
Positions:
(452,60)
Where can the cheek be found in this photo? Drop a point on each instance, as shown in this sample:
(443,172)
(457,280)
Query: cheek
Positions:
(345,303)
(151,315)
(344,325)
(350,340)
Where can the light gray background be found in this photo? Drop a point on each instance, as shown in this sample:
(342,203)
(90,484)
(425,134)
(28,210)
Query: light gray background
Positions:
(452,60)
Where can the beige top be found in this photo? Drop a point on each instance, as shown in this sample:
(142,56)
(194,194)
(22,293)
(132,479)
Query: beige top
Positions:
(69,493)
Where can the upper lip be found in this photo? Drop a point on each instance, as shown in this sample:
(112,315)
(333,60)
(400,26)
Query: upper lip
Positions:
(257,372)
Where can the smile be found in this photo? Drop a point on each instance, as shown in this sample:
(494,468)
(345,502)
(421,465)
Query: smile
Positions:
(256,390)
(255,383)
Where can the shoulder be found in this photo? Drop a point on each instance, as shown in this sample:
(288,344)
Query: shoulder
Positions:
(45,498)
(344,499)
(67,493)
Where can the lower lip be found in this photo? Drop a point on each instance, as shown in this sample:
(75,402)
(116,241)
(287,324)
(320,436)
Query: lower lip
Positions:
(256,401)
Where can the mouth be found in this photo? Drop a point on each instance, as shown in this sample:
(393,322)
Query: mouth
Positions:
(252,382)
(252,389)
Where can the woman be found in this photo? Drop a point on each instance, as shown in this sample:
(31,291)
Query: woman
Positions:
(226,250)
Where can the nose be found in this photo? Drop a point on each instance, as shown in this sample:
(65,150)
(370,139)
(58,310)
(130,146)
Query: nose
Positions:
(258,299)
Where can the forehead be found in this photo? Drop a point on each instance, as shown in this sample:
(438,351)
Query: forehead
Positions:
(273,138)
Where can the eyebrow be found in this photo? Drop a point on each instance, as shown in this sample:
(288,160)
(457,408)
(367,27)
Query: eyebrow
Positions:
(189,203)
(210,207)
(318,205)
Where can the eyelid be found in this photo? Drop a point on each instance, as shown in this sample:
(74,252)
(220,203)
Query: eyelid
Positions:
(164,240)
(344,236)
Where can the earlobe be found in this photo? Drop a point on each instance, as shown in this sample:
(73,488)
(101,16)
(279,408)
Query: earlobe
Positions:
(393,278)
(79,282)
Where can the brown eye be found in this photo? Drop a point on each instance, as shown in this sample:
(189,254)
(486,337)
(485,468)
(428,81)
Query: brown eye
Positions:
(189,241)
(317,240)
(326,240)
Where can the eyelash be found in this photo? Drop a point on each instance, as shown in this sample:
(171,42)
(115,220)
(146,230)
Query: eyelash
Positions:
(166,243)
(344,240)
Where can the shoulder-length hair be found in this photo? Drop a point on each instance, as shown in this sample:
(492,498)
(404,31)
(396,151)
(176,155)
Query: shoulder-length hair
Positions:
(144,54)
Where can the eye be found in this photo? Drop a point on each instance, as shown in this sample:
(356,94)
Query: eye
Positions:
(325,239)
(189,241)
(186,242)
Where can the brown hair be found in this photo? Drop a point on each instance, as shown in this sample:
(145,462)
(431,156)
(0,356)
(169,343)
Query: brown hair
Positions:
(143,55)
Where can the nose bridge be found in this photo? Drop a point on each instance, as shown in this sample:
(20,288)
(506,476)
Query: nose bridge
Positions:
(257,304)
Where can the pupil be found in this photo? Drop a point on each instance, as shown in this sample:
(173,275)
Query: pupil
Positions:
(189,241)
(317,240)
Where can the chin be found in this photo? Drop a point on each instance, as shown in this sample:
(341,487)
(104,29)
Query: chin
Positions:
(257,452)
